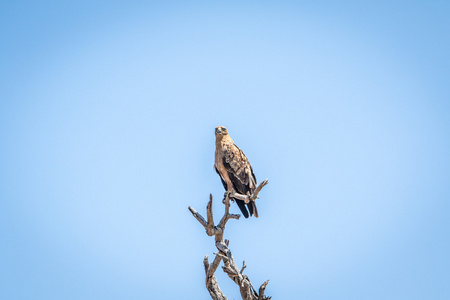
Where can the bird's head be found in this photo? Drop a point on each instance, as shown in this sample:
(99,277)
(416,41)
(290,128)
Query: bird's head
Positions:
(221,131)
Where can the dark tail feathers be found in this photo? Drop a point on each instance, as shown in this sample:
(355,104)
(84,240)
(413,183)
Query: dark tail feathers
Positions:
(251,208)
(241,205)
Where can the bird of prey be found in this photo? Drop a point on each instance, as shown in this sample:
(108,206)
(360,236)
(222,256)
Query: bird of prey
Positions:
(234,170)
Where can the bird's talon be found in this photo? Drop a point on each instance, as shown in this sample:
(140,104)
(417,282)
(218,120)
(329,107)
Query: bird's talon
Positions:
(229,193)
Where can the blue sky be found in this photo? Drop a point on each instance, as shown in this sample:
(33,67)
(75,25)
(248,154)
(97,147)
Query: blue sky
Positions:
(107,120)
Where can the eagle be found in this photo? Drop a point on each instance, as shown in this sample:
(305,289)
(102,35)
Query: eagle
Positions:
(234,170)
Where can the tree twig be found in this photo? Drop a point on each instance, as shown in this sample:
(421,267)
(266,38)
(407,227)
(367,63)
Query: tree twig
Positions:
(197,216)
(252,197)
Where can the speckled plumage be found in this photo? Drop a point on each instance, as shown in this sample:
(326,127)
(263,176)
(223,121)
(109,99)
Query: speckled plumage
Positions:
(234,169)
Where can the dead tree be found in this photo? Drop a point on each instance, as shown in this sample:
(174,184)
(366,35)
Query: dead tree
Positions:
(224,254)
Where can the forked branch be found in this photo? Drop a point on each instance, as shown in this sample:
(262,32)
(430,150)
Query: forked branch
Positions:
(230,268)
(254,196)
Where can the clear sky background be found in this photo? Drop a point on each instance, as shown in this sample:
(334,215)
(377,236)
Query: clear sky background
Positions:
(107,117)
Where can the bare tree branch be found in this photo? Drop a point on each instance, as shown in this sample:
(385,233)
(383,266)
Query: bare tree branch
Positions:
(261,291)
(197,216)
(243,266)
(254,196)
(211,281)
(209,215)
(230,268)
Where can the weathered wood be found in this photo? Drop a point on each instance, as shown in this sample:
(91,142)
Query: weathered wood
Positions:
(211,281)
(262,289)
(230,268)
(252,197)
(197,216)
(209,216)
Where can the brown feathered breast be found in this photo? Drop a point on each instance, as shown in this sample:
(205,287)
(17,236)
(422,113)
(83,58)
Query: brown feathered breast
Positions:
(234,170)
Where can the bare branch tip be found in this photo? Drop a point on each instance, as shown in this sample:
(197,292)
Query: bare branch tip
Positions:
(243,267)
(234,216)
(206,264)
(220,255)
(261,291)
